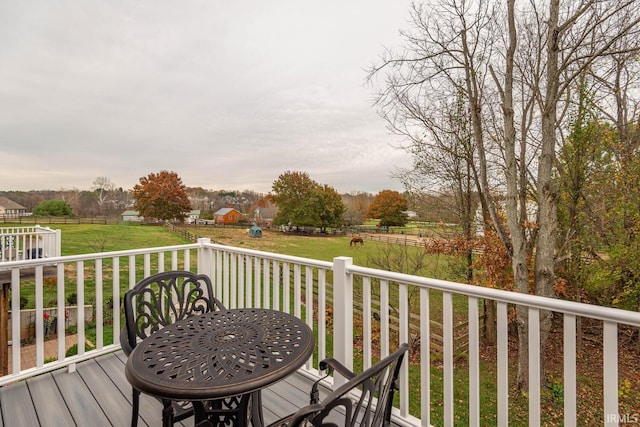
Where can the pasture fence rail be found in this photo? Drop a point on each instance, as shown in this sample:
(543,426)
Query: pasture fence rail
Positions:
(460,329)
(407,240)
(37,219)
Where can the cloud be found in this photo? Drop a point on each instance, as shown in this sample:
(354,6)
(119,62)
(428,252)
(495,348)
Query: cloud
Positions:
(227,95)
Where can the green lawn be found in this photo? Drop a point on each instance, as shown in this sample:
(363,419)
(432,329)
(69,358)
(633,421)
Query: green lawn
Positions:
(83,239)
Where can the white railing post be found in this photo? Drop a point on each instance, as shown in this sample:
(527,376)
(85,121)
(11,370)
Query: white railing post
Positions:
(58,243)
(342,314)
(569,348)
(610,373)
(15,321)
(474,363)
(447,358)
(502,359)
(204,262)
(425,362)
(534,367)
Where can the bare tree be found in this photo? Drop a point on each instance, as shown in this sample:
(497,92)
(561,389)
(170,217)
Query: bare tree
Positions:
(444,165)
(445,62)
(104,188)
(579,36)
(454,48)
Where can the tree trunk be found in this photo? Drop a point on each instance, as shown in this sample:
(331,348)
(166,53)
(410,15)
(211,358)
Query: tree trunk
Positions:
(522,377)
(490,329)
(547,189)
(515,221)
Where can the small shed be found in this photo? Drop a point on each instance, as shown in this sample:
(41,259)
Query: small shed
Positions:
(255,232)
(193,217)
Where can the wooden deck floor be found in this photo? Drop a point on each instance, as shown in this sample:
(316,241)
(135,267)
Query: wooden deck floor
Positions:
(98,394)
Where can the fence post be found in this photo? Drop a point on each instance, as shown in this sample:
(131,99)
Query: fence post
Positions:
(205,264)
(342,314)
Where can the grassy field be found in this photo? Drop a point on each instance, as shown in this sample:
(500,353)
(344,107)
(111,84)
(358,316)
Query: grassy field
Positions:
(83,239)
(324,248)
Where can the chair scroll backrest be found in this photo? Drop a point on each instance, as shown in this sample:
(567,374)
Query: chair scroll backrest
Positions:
(378,383)
(161,299)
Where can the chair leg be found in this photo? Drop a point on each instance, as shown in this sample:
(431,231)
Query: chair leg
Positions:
(199,412)
(135,408)
(256,409)
(167,414)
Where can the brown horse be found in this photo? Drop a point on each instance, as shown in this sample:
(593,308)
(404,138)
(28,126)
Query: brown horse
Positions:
(356,240)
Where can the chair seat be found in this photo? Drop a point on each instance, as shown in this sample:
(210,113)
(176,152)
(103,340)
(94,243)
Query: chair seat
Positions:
(371,407)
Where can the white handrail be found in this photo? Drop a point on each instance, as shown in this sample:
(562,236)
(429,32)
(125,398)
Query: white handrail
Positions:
(631,318)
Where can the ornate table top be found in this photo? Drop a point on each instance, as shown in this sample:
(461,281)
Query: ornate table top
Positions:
(219,354)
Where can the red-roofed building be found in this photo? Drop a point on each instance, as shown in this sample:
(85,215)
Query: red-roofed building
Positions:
(227,216)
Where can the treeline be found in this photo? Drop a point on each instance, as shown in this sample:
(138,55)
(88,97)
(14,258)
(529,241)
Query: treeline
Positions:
(110,203)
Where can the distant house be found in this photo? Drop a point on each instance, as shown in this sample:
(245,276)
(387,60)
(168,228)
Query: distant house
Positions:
(131,216)
(227,216)
(193,216)
(411,214)
(11,209)
(263,217)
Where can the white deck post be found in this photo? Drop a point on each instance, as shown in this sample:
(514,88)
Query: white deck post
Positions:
(342,314)
(612,416)
(58,243)
(205,261)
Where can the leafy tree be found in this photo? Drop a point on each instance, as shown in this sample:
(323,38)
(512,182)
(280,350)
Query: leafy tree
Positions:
(53,208)
(324,208)
(303,202)
(162,196)
(614,205)
(588,171)
(289,192)
(390,208)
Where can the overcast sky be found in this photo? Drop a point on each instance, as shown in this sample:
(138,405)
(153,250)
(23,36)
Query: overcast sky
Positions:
(227,94)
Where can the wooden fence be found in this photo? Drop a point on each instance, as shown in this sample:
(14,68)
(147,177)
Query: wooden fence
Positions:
(44,220)
(184,233)
(407,240)
(460,330)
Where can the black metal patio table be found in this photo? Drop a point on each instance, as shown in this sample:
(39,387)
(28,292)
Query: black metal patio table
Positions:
(218,355)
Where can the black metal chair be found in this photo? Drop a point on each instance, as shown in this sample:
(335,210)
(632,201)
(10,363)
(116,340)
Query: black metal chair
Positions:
(160,300)
(365,399)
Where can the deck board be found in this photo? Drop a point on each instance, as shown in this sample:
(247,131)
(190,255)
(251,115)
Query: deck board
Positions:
(99,392)
(150,408)
(49,404)
(106,393)
(75,392)
(17,407)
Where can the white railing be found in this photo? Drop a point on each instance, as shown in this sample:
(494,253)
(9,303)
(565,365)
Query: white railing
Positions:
(20,243)
(400,284)
(98,280)
(344,304)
